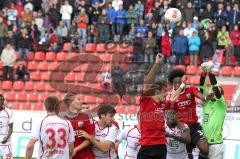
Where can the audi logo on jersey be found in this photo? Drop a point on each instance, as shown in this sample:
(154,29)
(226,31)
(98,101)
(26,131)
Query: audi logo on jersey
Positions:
(184,103)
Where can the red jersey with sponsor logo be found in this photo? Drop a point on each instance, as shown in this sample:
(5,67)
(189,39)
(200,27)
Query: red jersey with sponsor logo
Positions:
(151,122)
(85,123)
(186,105)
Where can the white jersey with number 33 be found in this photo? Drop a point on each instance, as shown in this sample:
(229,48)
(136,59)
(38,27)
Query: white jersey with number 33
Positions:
(6,118)
(54,134)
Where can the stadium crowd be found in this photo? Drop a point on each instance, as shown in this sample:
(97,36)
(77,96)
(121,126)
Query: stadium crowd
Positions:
(45,25)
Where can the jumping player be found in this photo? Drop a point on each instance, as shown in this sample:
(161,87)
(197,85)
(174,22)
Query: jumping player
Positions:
(6,129)
(214,112)
(105,134)
(185,106)
(79,121)
(178,134)
(54,133)
(152,106)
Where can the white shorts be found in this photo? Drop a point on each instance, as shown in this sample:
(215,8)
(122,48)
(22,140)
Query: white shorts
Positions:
(182,155)
(6,151)
(216,151)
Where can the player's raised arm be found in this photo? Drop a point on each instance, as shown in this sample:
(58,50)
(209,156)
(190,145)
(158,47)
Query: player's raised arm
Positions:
(149,80)
(176,94)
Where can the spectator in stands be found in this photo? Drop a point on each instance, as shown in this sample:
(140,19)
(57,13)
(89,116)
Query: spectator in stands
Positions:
(24,43)
(148,6)
(117,80)
(93,34)
(207,49)
(97,10)
(189,12)
(116,4)
(207,13)
(223,38)
(39,20)
(194,47)
(235,39)
(111,19)
(107,80)
(28,5)
(189,30)
(166,47)
(149,48)
(12,14)
(234,16)
(180,47)
(3,31)
(132,32)
(138,48)
(101,2)
(82,24)
(120,21)
(54,16)
(149,20)
(66,11)
(131,16)
(8,58)
(20,10)
(220,16)
(22,73)
(11,39)
(53,41)
(27,16)
(62,31)
(43,41)
(103,26)
(142,29)
(195,24)
(139,8)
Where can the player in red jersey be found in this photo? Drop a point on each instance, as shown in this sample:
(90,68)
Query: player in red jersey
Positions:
(185,106)
(79,121)
(152,107)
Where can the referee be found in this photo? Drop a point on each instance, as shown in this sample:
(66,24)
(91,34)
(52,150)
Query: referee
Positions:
(214,112)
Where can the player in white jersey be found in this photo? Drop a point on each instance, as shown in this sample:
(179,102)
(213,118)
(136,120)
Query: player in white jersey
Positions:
(105,134)
(6,129)
(131,135)
(177,135)
(55,134)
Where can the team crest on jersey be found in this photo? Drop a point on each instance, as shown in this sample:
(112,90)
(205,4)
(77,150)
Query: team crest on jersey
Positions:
(80,124)
(188,95)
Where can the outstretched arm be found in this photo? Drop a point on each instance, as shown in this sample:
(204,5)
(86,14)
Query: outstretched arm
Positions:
(148,82)
(215,86)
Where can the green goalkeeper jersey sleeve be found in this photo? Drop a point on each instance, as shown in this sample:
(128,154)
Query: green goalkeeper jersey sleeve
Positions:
(214,113)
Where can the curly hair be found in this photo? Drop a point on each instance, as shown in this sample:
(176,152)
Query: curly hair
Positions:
(176,72)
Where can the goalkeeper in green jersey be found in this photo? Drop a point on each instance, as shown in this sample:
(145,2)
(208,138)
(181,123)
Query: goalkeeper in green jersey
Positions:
(214,112)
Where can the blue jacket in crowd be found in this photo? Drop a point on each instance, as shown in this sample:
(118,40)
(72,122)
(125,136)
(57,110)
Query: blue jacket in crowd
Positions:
(194,43)
(121,17)
(180,44)
(111,15)
(143,30)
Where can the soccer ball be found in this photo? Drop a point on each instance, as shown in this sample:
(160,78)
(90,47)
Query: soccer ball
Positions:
(173,15)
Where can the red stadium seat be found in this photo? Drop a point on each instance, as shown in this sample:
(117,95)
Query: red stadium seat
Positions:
(31,56)
(120,109)
(101,48)
(27,106)
(181,67)
(18,85)
(43,96)
(106,57)
(90,47)
(36,76)
(66,47)
(226,71)
(91,100)
(71,77)
(66,67)
(49,88)
(189,80)
(7,85)
(62,56)
(132,109)
(21,96)
(53,66)
(50,56)
(40,86)
(38,107)
(43,66)
(191,70)
(33,97)
(236,71)
(29,86)
(112,47)
(46,76)
(39,56)
(233,60)
(73,57)
(196,80)
(1,65)
(32,66)
(223,62)
(199,71)
(11,96)
(80,77)
(15,106)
